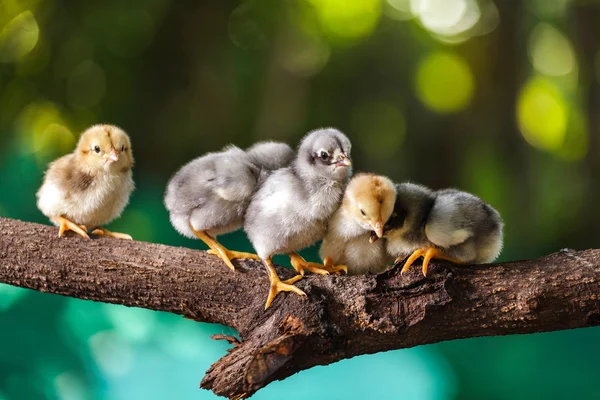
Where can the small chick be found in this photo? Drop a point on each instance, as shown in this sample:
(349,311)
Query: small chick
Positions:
(208,196)
(291,208)
(366,206)
(448,224)
(91,186)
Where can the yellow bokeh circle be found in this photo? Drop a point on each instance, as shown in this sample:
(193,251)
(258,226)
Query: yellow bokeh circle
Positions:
(444,82)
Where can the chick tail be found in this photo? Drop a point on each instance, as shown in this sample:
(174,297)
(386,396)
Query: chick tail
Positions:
(276,285)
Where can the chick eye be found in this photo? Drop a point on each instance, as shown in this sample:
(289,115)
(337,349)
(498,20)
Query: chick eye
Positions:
(122,148)
(97,149)
(324,156)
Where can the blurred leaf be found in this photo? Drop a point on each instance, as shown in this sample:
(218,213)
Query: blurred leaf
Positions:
(18,37)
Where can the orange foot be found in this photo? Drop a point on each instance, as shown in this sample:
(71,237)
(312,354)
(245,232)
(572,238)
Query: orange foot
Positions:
(334,269)
(301,266)
(428,253)
(66,225)
(106,232)
(276,285)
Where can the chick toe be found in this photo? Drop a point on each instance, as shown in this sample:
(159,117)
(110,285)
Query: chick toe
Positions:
(107,233)
(427,253)
(216,248)
(413,257)
(66,225)
(276,285)
(232,254)
(301,265)
(332,268)
(293,280)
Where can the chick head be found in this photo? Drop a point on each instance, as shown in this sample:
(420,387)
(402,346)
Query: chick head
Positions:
(326,153)
(370,201)
(105,148)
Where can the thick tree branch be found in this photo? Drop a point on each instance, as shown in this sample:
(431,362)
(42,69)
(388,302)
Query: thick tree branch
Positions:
(341,317)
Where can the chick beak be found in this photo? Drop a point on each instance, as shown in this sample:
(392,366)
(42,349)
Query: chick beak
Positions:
(377,228)
(113,156)
(373,238)
(343,161)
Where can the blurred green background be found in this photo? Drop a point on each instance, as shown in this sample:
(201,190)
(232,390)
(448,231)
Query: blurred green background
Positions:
(500,98)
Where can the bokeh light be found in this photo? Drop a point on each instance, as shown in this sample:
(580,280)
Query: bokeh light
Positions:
(304,51)
(248,29)
(550,52)
(576,143)
(548,9)
(542,114)
(347,20)
(18,37)
(398,9)
(113,355)
(134,324)
(455,21)
(72,53)
(444,82)
(44,130)
(69,386)
(86,85)
(417,373)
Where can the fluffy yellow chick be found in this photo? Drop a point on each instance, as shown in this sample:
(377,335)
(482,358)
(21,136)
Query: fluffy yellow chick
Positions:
(367,205)
(91,186)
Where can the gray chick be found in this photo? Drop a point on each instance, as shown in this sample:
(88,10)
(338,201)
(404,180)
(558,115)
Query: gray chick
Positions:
(208,196)
(448,224)
(291,208)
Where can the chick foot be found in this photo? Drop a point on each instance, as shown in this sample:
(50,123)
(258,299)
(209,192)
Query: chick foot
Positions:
(217,249)
(232,254)
(276,285)
(301,265)
(427,253)
(107,233)
(66,225)
(332,268)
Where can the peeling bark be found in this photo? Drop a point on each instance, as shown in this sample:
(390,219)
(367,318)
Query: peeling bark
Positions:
(340,318)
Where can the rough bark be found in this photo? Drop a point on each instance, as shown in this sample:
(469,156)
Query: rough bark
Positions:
(340,318)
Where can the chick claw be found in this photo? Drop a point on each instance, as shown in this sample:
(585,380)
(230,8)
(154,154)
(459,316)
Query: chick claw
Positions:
(283,286)
(107,233)
(428,253)
(329,266)
(232,254)
(66,225)
(301,265)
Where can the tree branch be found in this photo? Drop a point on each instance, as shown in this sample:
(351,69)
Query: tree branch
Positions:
(340,318)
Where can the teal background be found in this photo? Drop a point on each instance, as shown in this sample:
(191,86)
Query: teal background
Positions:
(498,98)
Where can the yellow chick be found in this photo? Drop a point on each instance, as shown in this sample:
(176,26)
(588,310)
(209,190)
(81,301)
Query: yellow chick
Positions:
(91,186)
(367,205)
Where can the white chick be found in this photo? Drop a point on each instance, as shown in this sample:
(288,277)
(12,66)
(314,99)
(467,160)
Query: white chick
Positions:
(208,196)
(448,224)
(366,206)
(291,208)
(91,186)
